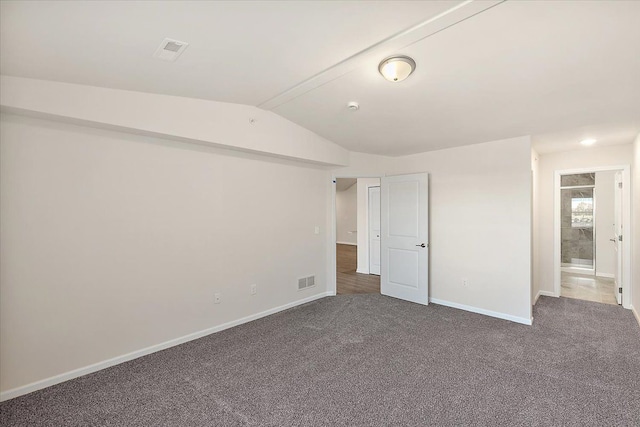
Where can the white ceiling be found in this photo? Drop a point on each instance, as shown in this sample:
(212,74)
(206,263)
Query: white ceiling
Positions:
(240,52)
(559,71)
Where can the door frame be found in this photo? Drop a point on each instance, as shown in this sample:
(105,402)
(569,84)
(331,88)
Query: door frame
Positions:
(626,222)
(332,278)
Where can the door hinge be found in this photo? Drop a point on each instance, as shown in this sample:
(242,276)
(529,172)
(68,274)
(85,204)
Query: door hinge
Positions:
(620,237)
(619,290)
(619,185)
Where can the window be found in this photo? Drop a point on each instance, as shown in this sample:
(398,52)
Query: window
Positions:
(582,212)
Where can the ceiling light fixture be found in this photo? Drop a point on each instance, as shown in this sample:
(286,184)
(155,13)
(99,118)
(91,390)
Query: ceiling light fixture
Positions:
(588,141)
(353,106)
(397,68)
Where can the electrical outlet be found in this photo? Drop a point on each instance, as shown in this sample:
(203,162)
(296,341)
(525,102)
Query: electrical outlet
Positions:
(316,229)
(254,289)
(216,298)
(465,282)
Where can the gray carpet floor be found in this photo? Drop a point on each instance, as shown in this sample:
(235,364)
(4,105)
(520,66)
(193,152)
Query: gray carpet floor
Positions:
(369,360)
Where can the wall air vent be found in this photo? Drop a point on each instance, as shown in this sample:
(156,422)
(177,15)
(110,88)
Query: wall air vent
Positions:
(170,50)
(306,282)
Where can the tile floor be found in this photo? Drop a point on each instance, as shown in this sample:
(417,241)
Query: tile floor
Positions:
(589,288)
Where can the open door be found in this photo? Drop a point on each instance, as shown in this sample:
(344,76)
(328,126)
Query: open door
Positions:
(617,236)
(374,230)
(404,230)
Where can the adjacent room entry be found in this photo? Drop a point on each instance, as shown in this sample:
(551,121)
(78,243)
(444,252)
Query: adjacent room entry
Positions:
(389,253)
(591,229)
(357,235)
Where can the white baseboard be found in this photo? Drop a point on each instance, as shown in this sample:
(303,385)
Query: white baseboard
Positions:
(607,275)
(362,271)
(522,320)
(544,293)
(635,313)
(347,243)
(47,382)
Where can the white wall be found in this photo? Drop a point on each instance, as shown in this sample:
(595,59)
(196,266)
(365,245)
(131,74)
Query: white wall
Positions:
(220,124)
(480,222)
(363,222)
(635,229)
(113,242)
(614,155)
(605,214)
(347,216)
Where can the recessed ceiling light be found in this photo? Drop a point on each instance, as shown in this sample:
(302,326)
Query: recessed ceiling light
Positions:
(588,141)
(397,68)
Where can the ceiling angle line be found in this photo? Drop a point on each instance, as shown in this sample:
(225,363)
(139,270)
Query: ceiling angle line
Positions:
(499,2)
(316,80)
(370,48)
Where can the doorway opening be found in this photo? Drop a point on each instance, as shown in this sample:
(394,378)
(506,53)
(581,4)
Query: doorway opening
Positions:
(577,210)
(592,213)
(403,235)
(357,213)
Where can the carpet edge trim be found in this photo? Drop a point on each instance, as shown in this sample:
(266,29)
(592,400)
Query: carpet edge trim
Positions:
(95,367)
(496,314)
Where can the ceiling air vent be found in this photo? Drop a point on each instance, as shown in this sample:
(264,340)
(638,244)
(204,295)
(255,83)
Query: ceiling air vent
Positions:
(170,50)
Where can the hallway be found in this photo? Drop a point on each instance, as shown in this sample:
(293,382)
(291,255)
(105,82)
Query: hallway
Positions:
(348,281)
(588,288)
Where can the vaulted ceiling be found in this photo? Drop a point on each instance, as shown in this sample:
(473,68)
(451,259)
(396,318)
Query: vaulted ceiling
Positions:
(486,70)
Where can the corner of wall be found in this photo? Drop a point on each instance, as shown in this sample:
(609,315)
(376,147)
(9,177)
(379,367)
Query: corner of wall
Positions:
(535,258)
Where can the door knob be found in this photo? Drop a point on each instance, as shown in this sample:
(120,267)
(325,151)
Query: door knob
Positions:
(612,240)
(422,245)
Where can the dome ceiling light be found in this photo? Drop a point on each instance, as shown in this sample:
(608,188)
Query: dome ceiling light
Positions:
(397,68)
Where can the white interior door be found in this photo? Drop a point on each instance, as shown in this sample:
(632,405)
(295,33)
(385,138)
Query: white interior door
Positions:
(617,236)
(404,230)
(374,230)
